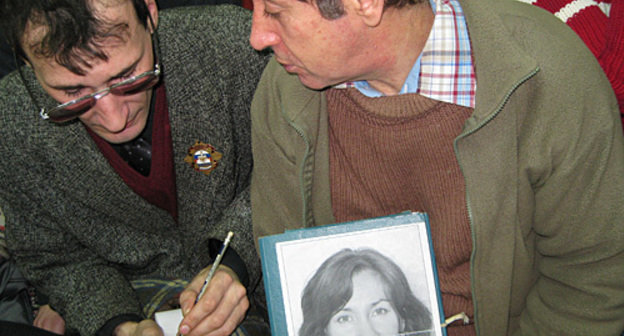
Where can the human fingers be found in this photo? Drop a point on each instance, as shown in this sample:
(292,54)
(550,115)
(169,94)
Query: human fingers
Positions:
(148,328)
(142,328)
(226,326)
(48,319)
(221,304)
(189,294)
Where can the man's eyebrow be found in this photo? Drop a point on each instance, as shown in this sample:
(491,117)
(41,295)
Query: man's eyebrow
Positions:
(120,74)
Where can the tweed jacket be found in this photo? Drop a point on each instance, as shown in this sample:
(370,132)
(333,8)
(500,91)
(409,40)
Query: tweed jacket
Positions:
(79,232)
(542,158)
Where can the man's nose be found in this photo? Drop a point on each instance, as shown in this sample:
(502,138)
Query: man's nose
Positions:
(262,36)
(111,112)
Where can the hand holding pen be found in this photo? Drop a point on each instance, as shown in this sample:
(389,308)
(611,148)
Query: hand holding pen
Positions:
(215,264)
(215,302)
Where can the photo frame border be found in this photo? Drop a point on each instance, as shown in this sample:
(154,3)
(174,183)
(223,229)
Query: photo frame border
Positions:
(271,269)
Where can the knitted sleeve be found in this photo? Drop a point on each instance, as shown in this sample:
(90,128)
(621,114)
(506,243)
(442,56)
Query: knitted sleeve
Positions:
(612,57)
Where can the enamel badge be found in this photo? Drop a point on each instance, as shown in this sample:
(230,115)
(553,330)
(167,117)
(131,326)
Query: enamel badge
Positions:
(203,157)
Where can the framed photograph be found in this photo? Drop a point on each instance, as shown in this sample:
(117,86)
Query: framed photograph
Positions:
(377,274)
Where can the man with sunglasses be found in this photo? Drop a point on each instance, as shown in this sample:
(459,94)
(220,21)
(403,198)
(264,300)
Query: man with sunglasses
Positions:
(107,209)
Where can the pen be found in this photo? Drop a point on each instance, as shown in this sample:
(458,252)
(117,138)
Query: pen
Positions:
(215,264)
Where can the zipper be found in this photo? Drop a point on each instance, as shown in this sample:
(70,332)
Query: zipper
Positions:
(299,131)
(468,208)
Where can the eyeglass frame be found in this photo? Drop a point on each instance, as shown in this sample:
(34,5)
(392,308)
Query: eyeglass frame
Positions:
(101,93)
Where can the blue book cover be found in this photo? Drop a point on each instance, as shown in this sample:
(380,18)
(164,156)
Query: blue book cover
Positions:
(377,274)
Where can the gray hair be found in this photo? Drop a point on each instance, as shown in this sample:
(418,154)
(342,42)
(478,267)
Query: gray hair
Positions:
(333,9)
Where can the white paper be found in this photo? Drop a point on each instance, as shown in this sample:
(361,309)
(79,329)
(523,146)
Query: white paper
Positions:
(169,321)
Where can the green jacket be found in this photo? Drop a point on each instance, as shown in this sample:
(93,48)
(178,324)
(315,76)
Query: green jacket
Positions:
(543,163)
(79,232)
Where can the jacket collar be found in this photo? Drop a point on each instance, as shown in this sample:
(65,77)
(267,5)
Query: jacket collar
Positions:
(500,63)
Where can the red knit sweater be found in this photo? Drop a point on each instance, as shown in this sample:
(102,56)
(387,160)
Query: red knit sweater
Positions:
(600,23)
(159,187)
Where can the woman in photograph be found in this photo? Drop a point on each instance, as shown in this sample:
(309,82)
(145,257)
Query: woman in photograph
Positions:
(361,292)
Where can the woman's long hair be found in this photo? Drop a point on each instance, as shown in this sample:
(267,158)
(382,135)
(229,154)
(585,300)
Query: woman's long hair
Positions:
(331,287)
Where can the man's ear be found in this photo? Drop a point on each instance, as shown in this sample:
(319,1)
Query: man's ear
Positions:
(25,61)
(23,55)
(20,58)
(152,7)
(370,11)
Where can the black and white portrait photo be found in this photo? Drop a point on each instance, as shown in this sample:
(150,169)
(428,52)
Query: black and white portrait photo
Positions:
(376,281)
(361,292)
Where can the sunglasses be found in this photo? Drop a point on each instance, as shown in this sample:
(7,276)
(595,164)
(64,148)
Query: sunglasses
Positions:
(74,108)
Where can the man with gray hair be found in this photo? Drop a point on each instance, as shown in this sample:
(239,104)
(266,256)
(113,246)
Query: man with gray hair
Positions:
(489,115)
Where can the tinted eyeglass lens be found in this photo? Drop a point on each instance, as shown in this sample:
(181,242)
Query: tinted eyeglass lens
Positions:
(81,106)
(72,111)
(141,84)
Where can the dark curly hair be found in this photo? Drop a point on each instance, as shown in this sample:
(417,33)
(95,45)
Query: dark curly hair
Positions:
(72,33)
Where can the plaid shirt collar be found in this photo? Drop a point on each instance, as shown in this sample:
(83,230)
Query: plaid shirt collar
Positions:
(444,70)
